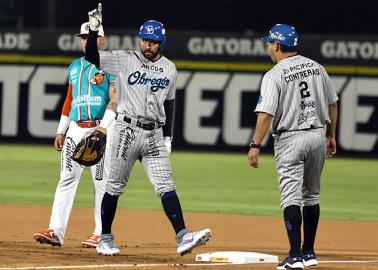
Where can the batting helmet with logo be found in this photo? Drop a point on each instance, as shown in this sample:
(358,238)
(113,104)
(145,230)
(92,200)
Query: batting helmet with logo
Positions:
(283,34)
(153,30)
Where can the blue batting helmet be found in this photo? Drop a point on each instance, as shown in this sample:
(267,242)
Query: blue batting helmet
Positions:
(153,30)
(283,34)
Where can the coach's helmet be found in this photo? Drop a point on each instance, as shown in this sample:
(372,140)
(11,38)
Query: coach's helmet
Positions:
(153,30)
(283,34)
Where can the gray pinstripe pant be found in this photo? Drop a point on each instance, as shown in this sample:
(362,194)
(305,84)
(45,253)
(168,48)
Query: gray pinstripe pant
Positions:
(130,143)
(300,158)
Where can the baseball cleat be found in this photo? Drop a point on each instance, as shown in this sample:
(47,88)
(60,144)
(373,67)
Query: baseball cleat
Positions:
(191,240)
(47,237)
(91,241)
(107,246)
(291,263)
(309,259)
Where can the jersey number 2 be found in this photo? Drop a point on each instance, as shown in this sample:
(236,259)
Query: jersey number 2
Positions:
(304,90)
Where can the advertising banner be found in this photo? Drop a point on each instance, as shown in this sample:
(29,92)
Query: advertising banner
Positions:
(217,87)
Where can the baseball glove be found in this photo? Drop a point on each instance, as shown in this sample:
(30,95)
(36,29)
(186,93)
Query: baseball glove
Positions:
(90,150)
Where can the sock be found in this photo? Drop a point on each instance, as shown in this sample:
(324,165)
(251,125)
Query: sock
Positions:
(172,209)
(310,226)
(108,209)
(293,222)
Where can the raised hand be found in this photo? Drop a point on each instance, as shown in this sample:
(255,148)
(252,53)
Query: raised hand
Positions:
(95,18)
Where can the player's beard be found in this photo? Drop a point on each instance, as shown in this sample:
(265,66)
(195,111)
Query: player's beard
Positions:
(150,55)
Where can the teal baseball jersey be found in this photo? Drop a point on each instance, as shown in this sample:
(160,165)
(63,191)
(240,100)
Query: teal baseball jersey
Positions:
(90,90)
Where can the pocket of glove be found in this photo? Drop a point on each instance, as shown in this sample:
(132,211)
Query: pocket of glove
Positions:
(91,149)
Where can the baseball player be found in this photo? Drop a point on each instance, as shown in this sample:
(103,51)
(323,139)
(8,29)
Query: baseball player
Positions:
(299,103)
(146,86)
(89,90)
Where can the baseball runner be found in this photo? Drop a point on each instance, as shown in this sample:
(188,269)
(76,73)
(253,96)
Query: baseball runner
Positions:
(146,83)
(89,90)
(299,103)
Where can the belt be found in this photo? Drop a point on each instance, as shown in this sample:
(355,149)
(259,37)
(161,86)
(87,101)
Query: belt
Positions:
(88,124)
(279,132)
(145,126)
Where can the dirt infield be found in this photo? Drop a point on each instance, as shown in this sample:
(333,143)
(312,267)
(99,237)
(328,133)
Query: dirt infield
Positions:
(147,240)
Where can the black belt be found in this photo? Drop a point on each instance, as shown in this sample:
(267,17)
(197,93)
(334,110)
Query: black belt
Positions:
(279,132)
(146,126)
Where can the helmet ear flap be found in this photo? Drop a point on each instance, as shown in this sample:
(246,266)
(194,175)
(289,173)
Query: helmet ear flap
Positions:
(162,45)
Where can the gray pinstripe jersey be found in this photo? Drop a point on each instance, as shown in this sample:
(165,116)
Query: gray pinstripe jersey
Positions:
(296,92)
(142,85)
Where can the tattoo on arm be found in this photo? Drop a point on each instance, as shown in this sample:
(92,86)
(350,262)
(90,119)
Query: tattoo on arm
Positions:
(112,106)
(113,102)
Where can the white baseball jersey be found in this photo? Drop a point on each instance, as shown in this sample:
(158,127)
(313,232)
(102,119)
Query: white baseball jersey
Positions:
(296,92)
(142,85)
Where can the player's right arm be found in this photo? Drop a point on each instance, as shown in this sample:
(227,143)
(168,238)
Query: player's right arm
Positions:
(266,108)
(91,50)
(64,120)
(263,123)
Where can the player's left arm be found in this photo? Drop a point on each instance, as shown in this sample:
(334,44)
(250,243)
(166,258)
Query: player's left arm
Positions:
(263,123)
(111,110)
(331,99)
(169,109)
(331,130)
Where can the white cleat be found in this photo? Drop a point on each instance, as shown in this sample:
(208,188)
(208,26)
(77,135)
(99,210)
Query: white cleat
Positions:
(107,246)
(191,240)
(309,259)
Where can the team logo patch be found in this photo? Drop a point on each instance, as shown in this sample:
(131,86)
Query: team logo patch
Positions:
(278,36)
(150,30)
(98,78)
(260,100)
(288,225)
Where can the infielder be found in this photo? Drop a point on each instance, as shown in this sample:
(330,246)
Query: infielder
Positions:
(89,90)
(298,102)
(146,86)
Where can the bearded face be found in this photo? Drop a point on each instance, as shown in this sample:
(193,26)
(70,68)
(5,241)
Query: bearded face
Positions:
(150,49)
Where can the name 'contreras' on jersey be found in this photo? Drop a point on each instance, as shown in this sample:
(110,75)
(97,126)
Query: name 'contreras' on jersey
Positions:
(296,92)
(142,86)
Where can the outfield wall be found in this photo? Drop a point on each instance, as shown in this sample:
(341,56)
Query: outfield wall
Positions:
(217,87)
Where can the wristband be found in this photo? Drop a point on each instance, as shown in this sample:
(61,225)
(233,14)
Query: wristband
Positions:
(253,145)
(94,28)
(107,119)
(63,124)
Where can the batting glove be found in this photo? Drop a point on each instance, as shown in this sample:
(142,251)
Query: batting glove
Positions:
(168,143)
(95,18)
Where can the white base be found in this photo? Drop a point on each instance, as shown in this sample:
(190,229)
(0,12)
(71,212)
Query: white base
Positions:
(236,257)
